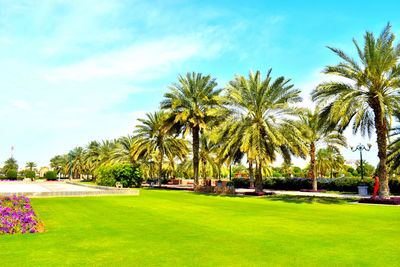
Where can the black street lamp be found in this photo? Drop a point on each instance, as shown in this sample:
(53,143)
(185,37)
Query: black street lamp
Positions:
(361,148)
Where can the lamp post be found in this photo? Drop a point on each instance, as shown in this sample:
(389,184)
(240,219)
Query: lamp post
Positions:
(362,187)
(59,173)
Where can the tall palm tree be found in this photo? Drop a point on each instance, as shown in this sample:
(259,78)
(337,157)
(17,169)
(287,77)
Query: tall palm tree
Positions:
(369,98)
(10,164)
(152,136)
(191,105)
(315,133)
(31,165)
(78,161)
(260,112)
(60,164)
(207,156)
(92,157)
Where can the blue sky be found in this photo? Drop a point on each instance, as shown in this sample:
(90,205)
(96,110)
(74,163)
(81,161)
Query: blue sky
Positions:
(76,71)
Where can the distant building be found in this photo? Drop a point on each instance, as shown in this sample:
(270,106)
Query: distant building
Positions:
(43,170)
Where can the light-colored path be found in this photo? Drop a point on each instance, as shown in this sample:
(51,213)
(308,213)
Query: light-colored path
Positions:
(59,189)
(280,192)
(20,188)
(298,193)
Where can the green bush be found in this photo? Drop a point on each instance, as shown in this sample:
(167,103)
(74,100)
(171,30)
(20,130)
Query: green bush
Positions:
(128,175)
(50,175)
(30,174)
(338,184)
(12,174)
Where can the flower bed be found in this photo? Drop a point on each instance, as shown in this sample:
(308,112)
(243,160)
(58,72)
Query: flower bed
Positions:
(17,216)
(377,200)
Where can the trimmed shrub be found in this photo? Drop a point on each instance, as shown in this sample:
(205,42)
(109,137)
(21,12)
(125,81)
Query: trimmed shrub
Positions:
(50,175)
(30,174)
(12,174)
(128,175)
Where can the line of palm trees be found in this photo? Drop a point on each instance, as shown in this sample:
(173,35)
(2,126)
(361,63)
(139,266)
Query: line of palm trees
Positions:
(256,119)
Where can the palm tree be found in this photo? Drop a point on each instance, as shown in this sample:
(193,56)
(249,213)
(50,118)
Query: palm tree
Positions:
(92,157)
(316,132)
(322,163)
(260,112)
(176,148)
(60,164)
(152,136)
(122,151)
(78,161)
(191,106)
(329,159)
(106,152)
(10,164)
(207,157)
(393,159)
(30,165)
(370,97)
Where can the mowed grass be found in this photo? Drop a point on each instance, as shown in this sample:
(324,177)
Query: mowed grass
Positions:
(164,228)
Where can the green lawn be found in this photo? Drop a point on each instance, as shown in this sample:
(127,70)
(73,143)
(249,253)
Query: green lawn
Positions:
(182,228)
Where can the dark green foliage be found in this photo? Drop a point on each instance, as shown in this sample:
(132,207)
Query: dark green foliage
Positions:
(340,184)
(12,174)
(30,174)
(241,182)
(50,175)
(296,169)
(128,175)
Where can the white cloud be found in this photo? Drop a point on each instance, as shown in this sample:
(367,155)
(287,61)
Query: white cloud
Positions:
(139,61)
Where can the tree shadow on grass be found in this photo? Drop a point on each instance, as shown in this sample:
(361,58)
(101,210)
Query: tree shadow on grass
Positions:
(311,200)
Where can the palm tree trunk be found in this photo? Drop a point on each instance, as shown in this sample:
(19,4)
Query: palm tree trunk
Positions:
(195,133)
(173,167)
(259,185)
(312,164)
(160,159)
(381,135)
(251,174)
(204,171)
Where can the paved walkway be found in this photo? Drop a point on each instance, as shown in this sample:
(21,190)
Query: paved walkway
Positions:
(298,193)
(279,192)
(59,189)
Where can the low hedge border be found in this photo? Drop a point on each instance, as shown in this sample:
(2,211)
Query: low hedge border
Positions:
(338,184)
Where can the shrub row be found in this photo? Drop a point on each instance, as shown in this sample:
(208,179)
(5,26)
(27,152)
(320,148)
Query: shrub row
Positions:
(128,175)
(338,184)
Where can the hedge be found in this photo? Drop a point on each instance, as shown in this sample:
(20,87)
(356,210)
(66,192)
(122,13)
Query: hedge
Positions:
(12,174)
(338,184)
(50,175)
(128,175)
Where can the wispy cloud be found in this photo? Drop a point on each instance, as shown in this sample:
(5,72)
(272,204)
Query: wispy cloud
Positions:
(137,62)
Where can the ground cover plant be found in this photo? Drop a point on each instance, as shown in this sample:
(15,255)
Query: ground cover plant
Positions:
(17,216)
(172,228)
